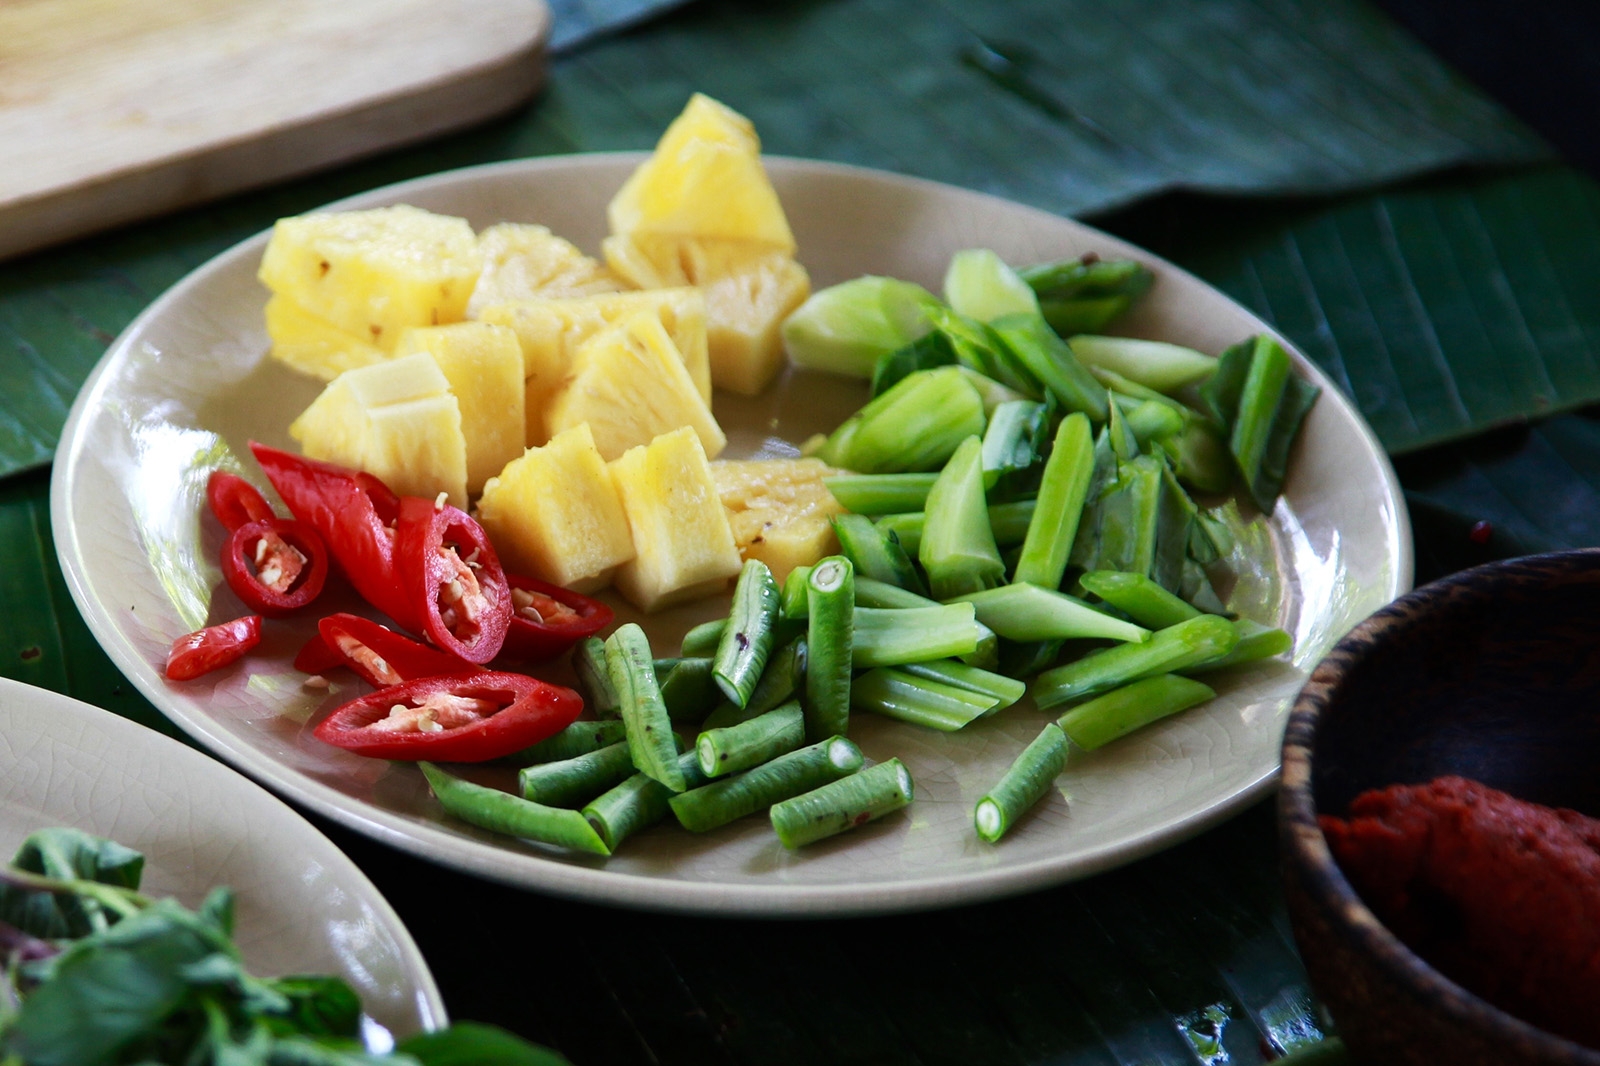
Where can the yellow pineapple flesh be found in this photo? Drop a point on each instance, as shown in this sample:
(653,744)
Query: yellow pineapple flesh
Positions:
(749,290)
(524,262)
(628,382)
(779,510)
(374,273)
(483,364)
(683,545)
(704,179)
(396,420)
(551,330)
(555,514)
(314,345)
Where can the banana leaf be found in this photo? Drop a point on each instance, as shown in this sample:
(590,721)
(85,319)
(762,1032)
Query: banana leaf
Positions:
(1072,106)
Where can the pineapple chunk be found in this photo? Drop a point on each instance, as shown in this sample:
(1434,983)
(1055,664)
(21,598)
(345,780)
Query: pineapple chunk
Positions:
(483,364)
(750,290)
(779,510)
(550,331)
(555,514)
(704,179)
(313,345)
(397,420)
(681,540)
(373,273)
(629,383)
(524,262)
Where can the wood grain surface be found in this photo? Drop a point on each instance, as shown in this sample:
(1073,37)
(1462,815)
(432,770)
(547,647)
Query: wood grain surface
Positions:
(113,111)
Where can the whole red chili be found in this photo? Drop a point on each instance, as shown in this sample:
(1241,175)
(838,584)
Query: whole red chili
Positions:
(382,657)
(452,719)
(355,515)
(235,501)
(215,646)
(547,619)
(452,579)
(275,565)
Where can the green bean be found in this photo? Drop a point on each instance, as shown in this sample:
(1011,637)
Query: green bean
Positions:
(1157,365)
(1025,783)
(1007,521)
(921,701)
(687,688)
(501,812)
(1007,690)
(844,804)
(875,494)
(1013,445)
(1028,612)
(1258,405)
(1142,599)
(739,747)
(881,594)
(1086,295)
(958,551)
(702,640)
(1152,421)
(1028,339)
(578,780)
(747,638)
(637,803)
(915,634)
(1063,488)
(876,552)
(877,594)
(644,712)
(1256,642)
(781,681)
(727,799)
(1119,712)
(978,348)
(594,684)
(793,606)
(579,738)
(1171,650)
(829,647)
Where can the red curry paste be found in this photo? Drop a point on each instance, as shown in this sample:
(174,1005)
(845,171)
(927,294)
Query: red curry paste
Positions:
(1501,895)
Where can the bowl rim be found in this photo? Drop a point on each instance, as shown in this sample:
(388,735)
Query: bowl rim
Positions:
(1301,838)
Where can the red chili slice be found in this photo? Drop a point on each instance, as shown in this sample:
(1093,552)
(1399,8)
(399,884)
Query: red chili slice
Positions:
(547,619)
(354,513)
(215,646)
(452,579)
(275,566)
(452,719)
(382,657)
(315,657)
(235,501)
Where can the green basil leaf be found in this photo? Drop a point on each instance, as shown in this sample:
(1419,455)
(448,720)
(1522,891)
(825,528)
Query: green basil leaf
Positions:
(69,854)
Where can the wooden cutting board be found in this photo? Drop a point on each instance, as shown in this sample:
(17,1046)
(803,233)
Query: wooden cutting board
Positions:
(112,110)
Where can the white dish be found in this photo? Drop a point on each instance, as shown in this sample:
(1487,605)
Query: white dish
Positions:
(301,906)
(190,377)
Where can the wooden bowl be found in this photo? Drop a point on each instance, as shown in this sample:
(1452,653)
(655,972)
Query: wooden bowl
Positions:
(1492,674)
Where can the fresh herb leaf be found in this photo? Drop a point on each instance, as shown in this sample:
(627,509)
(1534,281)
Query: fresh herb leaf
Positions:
(68,855)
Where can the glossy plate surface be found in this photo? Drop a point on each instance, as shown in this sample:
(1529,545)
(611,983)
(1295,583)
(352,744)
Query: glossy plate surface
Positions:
(190,381)
(301,906)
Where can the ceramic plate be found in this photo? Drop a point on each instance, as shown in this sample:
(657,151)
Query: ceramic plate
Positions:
(302,907)
(190,382)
